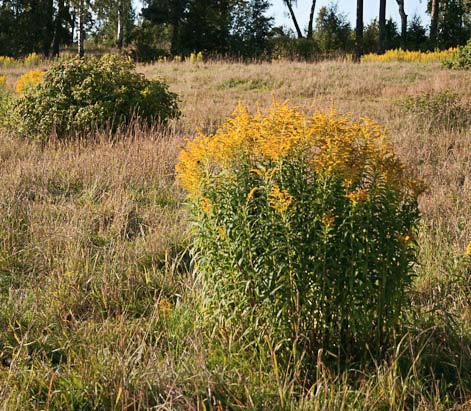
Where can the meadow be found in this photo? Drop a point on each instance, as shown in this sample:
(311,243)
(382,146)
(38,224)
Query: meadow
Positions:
(98,298)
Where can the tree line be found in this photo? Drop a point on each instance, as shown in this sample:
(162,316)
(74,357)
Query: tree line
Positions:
(235,28)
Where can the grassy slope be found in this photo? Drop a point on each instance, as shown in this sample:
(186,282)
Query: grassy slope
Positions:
(97,301)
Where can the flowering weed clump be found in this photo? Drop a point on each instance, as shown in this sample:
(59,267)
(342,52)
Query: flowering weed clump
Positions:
(32,59)
(411,56)
(29,80)
(304,229)
(78,95)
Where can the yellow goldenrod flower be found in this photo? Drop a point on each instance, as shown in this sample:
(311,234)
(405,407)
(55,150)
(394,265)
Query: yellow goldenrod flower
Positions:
(3,81)
(358,196)
(328,220)
(6,61)
(29,80)
(32,59)
(279,199)
(206,205)
(468,249)
(410,56)
(333,143)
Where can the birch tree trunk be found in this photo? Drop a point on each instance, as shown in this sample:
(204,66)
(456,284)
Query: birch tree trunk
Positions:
(120,29)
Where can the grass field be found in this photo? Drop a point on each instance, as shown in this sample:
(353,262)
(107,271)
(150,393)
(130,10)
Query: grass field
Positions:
(98,302)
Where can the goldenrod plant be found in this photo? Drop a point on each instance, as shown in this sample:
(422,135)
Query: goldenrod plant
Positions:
(29,80)
(410,56)
(304,230)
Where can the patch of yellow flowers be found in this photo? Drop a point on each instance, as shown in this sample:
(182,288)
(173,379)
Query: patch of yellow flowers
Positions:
(32,59)
(3,81)
(279,199)
(328,143)
(410,56)
(28,80)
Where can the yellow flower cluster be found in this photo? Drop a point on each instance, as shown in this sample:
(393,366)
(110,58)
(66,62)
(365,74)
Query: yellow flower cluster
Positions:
(279,199)
(3,81)
(414,56)
(32,59)
(468,249)
(195,58)
(406,55)
(358,196)
(6,61)
(329,142)
(28,80)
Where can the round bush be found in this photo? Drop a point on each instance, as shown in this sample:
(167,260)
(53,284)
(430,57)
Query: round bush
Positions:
(79,95)
(304,229)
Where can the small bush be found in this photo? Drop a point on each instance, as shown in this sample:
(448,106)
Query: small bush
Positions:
(79,95)
(295,49)
(147,44)
(437,110)
(304,230)
(460,59)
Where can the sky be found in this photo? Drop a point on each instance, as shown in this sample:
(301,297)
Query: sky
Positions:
(348,7)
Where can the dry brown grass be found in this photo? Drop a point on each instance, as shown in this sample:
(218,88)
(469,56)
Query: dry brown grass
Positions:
(93,238)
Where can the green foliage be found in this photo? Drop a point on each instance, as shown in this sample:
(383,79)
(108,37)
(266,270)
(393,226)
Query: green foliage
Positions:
(461,59)
(252,83)
(371,36)
(442,109)
(251,28)
(333,31)
(79,95)
(6,100)
(147,44)
(284,47)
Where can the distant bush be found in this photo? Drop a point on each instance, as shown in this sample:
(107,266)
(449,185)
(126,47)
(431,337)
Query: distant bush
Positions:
(79,95)
(442,109)
(286,48)
(147,45)
(460,59)
(304,230)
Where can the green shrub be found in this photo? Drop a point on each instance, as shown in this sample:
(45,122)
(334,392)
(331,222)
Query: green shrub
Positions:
(304,230)
(436,110)
(295,49)
(79,95)
(461,59)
